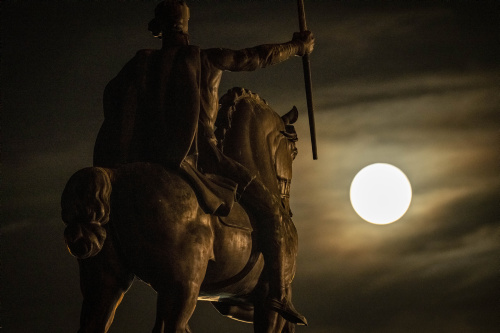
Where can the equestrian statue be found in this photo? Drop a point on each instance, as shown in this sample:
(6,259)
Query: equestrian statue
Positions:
(188,192)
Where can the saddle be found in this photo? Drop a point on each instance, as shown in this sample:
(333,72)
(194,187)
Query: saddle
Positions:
(216,194)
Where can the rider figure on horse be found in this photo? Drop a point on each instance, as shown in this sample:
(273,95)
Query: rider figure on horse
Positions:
(162,108)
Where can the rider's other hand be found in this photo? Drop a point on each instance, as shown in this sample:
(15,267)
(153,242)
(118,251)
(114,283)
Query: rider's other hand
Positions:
(306,39)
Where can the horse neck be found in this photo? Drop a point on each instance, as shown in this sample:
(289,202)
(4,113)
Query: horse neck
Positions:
(252,136)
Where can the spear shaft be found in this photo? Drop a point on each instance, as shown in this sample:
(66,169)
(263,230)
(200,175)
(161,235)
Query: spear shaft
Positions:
(307,78)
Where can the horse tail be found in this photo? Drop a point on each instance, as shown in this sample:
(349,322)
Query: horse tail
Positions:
(85,207)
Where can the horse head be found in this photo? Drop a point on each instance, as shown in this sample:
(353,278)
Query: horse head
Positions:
(253,134)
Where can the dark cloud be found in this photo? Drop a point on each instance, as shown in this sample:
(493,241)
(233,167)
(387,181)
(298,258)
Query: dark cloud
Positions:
(379,41)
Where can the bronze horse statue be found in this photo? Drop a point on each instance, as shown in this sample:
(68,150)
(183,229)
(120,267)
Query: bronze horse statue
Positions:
(143,220)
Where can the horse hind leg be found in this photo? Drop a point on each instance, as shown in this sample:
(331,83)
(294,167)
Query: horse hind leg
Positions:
(176,305)
(174,309)
(178,286)
(103,283)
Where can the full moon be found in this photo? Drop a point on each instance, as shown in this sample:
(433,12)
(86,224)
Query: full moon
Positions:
(380,193)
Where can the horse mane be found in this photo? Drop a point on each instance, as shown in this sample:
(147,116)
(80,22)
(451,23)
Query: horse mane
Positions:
(228,104)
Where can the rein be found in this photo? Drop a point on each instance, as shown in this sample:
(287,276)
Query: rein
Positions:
(284,186)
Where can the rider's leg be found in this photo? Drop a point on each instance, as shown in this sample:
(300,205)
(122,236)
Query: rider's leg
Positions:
(274,225)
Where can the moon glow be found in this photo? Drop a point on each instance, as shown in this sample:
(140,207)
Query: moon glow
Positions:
(380,193)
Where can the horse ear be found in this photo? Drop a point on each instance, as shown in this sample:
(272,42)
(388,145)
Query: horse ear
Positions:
(291,117)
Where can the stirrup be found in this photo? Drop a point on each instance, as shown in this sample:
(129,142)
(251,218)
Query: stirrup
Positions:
(287,311)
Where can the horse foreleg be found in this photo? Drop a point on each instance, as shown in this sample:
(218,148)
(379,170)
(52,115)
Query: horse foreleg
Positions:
(103,283)
(236,312)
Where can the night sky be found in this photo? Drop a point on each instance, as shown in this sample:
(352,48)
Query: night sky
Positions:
(413,84)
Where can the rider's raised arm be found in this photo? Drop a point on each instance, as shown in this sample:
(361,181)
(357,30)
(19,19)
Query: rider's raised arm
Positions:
(261,56)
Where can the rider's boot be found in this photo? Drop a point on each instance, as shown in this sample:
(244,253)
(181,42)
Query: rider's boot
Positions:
(273,238)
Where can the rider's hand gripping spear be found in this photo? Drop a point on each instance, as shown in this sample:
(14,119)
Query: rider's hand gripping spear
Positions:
(307,77)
